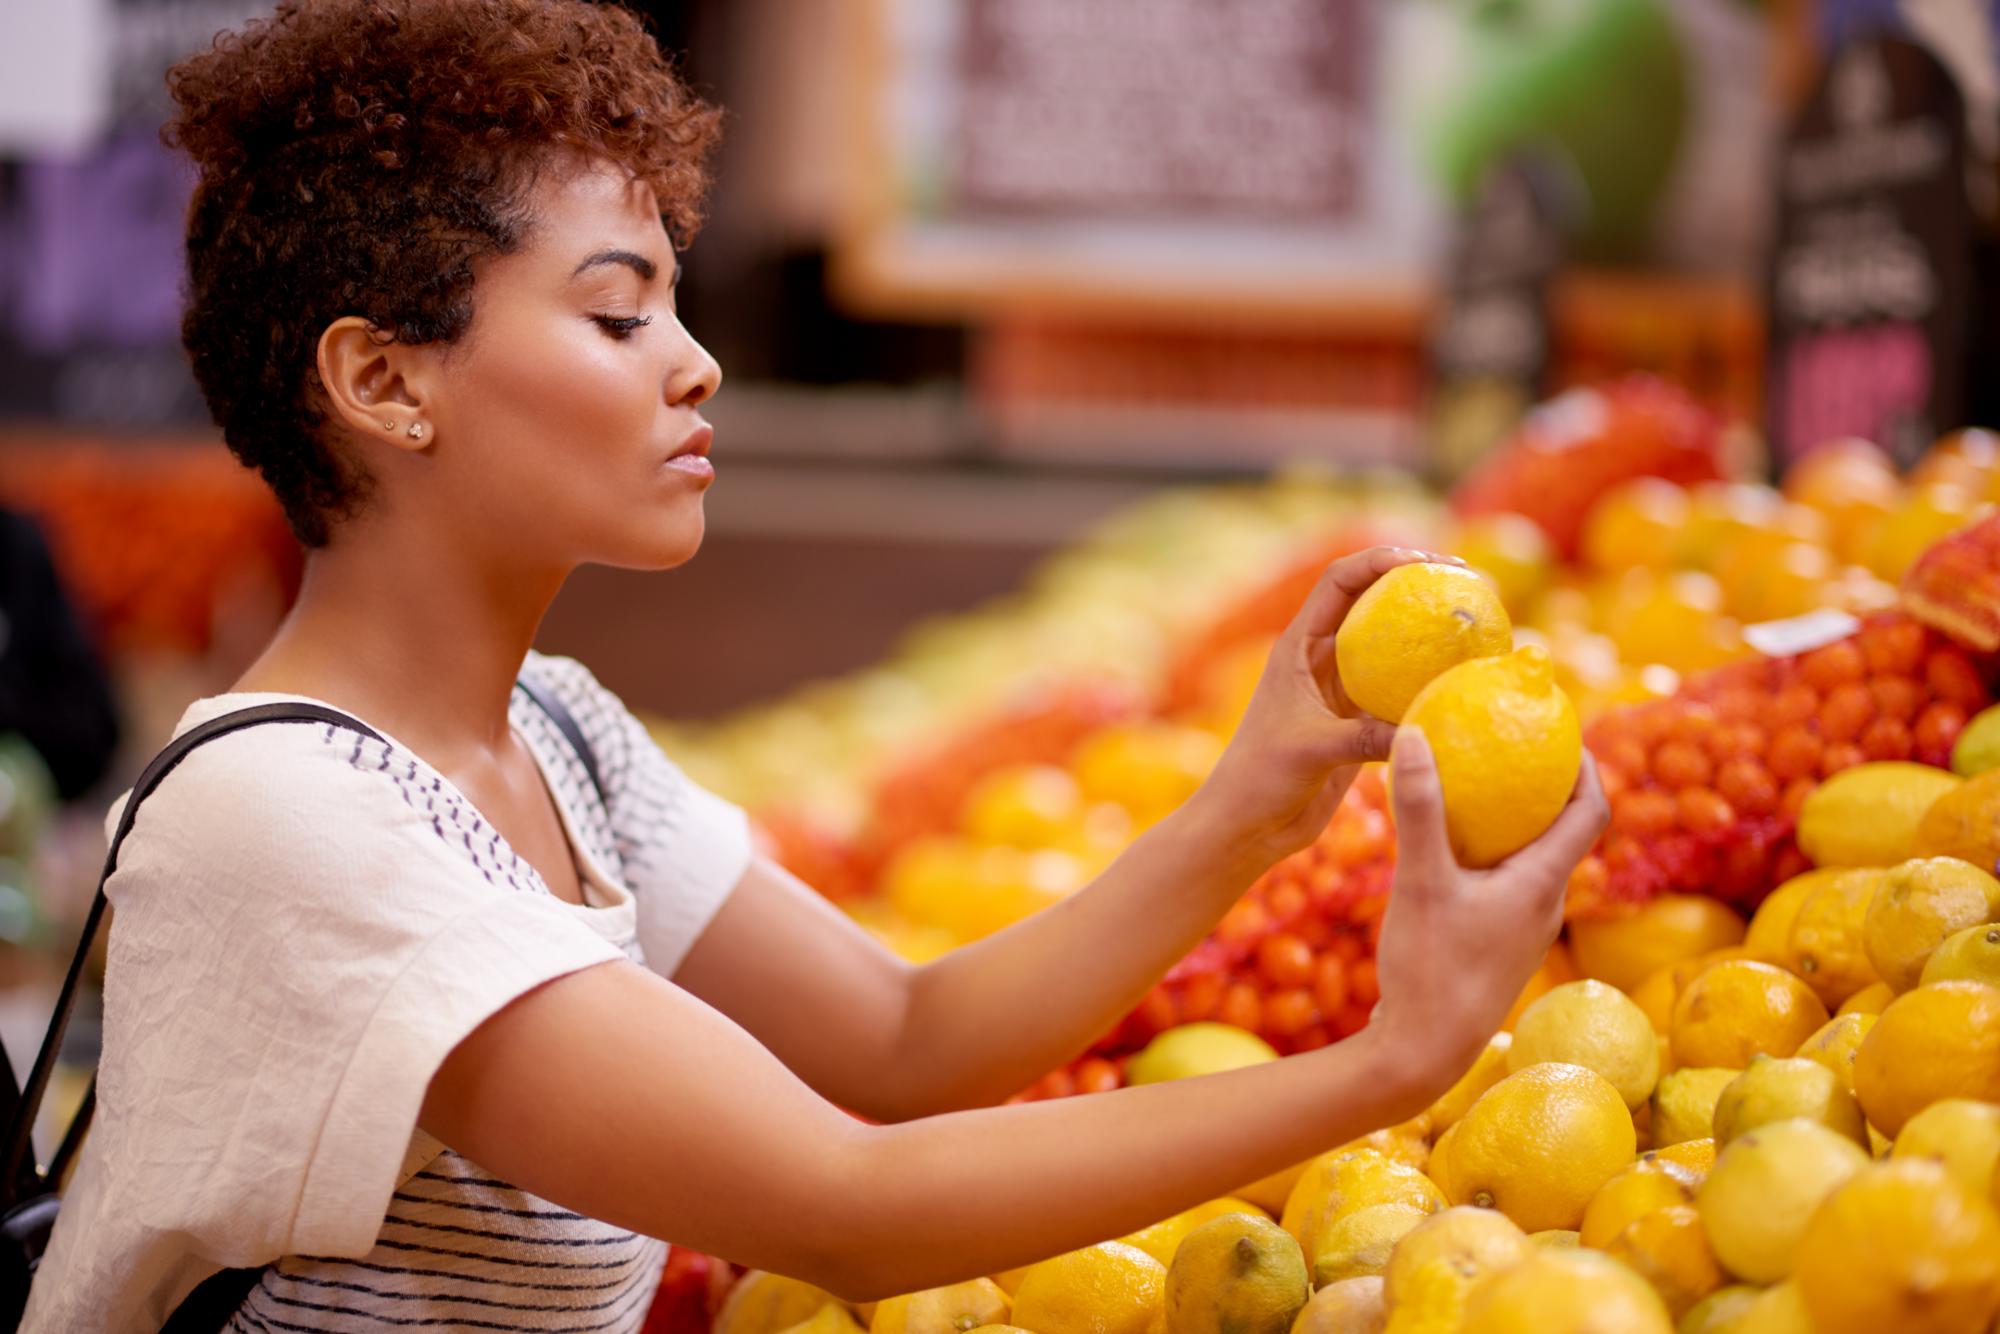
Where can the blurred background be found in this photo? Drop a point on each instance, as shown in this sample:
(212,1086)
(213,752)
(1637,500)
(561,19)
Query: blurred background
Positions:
(1060,335)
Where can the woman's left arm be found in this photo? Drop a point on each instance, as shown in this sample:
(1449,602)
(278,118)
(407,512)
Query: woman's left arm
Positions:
(894,1041)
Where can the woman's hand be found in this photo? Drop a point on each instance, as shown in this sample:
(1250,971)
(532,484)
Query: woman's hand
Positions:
(1458,945)
(1301,740)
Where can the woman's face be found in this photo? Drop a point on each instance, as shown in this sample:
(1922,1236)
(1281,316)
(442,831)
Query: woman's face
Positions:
(567,422)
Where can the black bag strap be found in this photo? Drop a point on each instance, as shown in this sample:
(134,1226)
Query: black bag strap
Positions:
(217,1297)
(565,722)
(19,1178)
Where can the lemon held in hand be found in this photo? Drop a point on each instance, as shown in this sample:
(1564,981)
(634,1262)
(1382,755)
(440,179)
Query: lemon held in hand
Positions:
(1412,624)
(1507,746)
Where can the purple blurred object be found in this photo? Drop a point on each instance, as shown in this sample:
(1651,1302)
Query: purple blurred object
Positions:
(95,247)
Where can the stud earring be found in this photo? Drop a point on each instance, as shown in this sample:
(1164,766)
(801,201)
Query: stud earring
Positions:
(416,430)
(389,426)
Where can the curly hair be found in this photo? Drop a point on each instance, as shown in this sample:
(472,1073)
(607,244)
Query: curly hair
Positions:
(356,157)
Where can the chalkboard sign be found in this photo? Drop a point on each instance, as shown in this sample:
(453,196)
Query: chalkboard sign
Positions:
(1872,273)
(1135,156)
(1490,349)
(1174,107)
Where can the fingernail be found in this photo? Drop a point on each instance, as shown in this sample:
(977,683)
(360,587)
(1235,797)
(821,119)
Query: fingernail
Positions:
(1411,750)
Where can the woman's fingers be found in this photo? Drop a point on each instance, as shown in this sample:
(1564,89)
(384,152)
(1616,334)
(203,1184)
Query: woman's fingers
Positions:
(1347,579)
(1364,739)
(1423,848)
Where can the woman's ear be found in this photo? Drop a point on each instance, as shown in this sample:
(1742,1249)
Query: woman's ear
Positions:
(373,387)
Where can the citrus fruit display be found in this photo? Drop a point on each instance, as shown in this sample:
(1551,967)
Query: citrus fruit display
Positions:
(1777,967)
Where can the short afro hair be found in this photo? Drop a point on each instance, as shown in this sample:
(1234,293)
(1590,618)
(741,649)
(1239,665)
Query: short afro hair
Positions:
(356,157)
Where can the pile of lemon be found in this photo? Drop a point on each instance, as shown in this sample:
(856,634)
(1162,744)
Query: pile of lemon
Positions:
(1789,1126)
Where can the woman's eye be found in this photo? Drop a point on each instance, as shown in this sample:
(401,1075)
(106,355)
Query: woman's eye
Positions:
(622,326)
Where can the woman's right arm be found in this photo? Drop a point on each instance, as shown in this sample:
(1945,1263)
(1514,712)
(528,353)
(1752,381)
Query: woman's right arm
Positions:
(614,1093)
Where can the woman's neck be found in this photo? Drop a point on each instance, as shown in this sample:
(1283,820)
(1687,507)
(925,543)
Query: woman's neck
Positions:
(422,638)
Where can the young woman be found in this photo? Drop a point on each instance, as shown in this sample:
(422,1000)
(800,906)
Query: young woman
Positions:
(430,1034)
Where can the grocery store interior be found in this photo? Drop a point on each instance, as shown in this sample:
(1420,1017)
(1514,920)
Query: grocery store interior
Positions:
(1064,345)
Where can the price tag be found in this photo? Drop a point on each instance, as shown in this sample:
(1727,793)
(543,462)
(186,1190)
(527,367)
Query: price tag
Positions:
(1800,634)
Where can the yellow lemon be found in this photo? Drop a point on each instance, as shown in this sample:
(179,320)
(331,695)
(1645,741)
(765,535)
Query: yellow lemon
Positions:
(1467,1241)
(1684,1104)
(1642,522)
(1770,931)
(1696,1155)
(1869,815)
(1825,947)
(1902,1246)
(1149,768)
(1774,1089)
(1669,1249)
(1971,955)
(1715,1313)
(1488,1069)
(1162,1238)
(1507,746)
(1736,1009)
(1410,626)
(1921,902)
(1559,1238)
(1027,805)
(1270,1193)
(1406,1143)
(1646,1185)
(1352,1306)
(1961,1134)
(1836,1044)
(1868,1000)
(1927,513)
(948,1310)
(1594,1025)
(1936,1042)
(1010,1279)
(1565,1292)
(1539,1145)
(1778,1309)
(1978,746)
(1763,1189)
(1236,1275)
(1655,998)
(1197,1049)
(1627,949)
(833,1318)
(1512,551)
(1109,1288)
(1435,1267)
(1964,822)
(764,1303)
(1344,1180)
(1358,1243)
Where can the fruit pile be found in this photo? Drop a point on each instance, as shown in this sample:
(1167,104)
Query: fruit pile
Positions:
(1706,787)
(1818,769)
(1791,1125)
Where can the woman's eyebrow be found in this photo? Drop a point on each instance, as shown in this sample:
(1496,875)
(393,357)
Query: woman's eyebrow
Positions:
(639,264)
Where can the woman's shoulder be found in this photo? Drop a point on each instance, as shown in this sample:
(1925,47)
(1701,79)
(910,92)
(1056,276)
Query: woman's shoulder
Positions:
(297,793)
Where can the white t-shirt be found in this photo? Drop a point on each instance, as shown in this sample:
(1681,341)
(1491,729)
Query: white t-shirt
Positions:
(306,923)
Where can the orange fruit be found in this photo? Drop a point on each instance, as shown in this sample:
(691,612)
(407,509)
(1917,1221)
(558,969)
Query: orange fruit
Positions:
(1636,524)
(1939,1041)
(1734,1010)
(1625,950)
